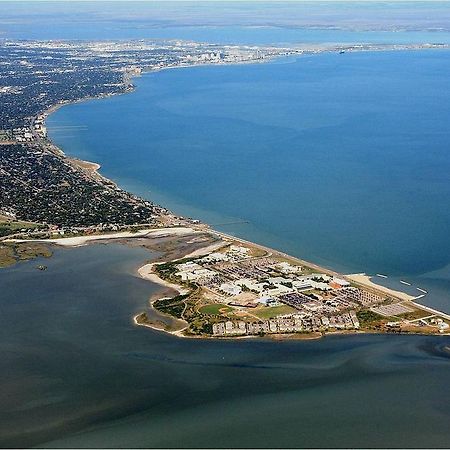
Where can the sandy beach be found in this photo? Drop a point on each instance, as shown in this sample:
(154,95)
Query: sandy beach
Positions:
(206,250)
(365,280)
(360,278)
(78,241)
(91,167)
(149,274)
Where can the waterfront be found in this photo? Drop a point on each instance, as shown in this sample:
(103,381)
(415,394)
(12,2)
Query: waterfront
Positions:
(76,372)
(288,159)
(343,160)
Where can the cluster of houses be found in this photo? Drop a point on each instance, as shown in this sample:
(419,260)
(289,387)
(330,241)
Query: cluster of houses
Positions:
(293,323)
(39,126)
(22,134)
(28,134)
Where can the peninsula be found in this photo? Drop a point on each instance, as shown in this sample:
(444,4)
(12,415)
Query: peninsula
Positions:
(215,285)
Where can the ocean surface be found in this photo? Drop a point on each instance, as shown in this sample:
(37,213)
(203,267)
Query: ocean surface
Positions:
(339,159)
(75,372)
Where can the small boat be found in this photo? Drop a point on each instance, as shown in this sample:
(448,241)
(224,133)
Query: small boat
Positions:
(381,275)
(422,290)
(42,267)
(405,282)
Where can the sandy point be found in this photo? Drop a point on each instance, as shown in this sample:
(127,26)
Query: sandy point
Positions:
(148,273)
(366,280)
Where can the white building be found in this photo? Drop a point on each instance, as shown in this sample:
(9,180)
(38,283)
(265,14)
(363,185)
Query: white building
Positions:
(230,289)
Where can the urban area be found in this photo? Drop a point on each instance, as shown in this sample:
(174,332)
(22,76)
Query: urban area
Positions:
(42,191)
(242,290)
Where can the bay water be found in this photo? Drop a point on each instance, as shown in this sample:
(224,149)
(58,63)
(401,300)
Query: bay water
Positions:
(341,159)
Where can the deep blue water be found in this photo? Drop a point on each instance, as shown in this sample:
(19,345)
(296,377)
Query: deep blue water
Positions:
(75,372)
(340,159)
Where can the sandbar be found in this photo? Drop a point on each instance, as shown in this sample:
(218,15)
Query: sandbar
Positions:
(78,241)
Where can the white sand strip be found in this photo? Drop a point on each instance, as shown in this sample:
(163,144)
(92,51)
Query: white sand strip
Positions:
(147,272)
(83,240)
(365,280)
(206,250)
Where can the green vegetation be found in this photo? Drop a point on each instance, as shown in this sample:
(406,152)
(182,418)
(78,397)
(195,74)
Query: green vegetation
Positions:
(200,326)
(167,270)
(416,314)
(142,318)
(7,256)
(372,321)
(273,311)
(186,306)
(215,309)
(368,318)
(173,306)
(8,226)
(10,253)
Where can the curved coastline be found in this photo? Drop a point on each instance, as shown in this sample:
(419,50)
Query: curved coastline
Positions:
(146,271)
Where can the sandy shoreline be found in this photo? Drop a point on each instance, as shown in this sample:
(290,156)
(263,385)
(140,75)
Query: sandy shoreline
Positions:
(146,271)
(271,251)
(177,333)
(360,278)
(91,167)
(78,241)
(366,280)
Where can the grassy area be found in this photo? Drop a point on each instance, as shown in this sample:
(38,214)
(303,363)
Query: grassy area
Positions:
(10,253)
(369,318)
(257,252)
(167,270)
(173,306)
(266,313)
(416,314)
(8,226)
(7,256)
(215,309)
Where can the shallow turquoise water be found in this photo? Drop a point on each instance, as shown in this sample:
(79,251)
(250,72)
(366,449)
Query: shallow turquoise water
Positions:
(340,159)
(75,372)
